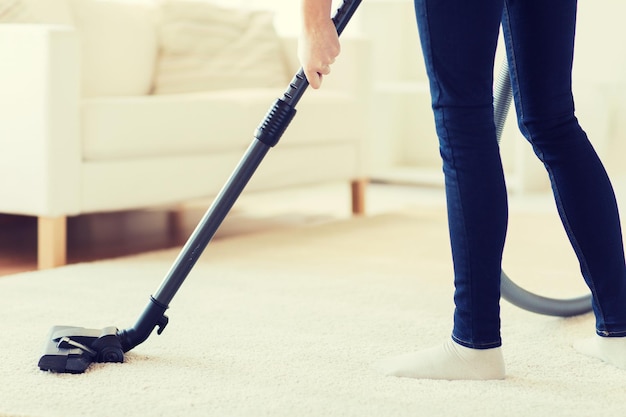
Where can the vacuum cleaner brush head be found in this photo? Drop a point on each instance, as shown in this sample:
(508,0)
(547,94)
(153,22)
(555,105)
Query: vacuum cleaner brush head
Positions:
(72,349)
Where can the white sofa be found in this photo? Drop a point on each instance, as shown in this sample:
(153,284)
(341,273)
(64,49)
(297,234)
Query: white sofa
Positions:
(81,130)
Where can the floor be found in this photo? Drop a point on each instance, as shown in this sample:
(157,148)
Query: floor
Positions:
(109,235)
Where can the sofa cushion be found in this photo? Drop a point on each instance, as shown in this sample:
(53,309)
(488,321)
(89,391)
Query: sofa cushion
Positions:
(207,47)
(35,11)
(210,122)
(119,46)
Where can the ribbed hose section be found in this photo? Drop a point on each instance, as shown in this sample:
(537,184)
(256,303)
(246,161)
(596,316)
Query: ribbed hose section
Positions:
(502,97)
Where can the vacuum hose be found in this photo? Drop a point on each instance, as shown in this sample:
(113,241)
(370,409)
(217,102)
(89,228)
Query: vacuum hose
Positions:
(502,96)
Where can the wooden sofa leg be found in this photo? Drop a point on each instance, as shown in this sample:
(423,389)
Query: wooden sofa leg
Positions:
(51,242)
(358,188)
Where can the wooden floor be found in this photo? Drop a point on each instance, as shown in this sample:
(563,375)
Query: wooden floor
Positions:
(109,235)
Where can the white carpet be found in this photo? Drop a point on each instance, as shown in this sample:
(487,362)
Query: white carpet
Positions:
(287,323)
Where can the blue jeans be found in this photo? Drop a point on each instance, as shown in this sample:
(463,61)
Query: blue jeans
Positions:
(459,40)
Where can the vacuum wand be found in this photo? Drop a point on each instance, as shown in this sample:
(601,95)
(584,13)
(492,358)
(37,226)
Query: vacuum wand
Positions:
(73,349)
(266,136)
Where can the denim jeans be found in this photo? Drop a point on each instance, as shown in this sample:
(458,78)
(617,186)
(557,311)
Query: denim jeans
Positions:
(459,40)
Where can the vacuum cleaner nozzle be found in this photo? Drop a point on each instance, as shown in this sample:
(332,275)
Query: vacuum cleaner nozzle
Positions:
(72,349)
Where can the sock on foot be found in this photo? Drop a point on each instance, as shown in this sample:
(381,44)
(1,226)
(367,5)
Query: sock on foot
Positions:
(609,349)
(449,361)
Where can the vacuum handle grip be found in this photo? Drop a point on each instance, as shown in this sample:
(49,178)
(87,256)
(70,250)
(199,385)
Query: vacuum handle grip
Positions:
(299,82)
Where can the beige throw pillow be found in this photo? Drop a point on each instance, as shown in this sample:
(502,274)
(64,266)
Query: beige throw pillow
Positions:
(118,46)
(207,47)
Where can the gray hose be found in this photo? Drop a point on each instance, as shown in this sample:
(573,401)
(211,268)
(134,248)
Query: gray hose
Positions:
(502,96)
(519,297)
(510,291)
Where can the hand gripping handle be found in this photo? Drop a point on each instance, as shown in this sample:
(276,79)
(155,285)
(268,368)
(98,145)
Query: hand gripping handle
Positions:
(283,110)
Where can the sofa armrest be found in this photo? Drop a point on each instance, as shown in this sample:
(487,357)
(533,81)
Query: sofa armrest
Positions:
(351,73)
(39,120)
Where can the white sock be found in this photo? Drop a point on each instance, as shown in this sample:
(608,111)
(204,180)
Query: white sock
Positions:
(609,349)
(449,361)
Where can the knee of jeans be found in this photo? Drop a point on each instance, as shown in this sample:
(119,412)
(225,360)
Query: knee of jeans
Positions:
(468,125)
(553,133)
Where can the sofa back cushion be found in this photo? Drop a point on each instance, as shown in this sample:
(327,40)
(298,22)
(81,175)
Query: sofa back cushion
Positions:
(118,45)
(207,47)
(35,11)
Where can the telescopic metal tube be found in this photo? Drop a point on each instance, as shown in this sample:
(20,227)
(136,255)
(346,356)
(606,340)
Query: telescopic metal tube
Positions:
(210,222)
(266,136)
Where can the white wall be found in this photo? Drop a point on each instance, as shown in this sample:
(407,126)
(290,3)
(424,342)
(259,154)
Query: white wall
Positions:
(600,68)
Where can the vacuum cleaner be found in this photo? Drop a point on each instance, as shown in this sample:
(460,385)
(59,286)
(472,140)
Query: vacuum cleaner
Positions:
(71,349)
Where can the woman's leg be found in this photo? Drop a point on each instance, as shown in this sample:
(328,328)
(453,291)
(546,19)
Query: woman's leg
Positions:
(540,40)
(459,39)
